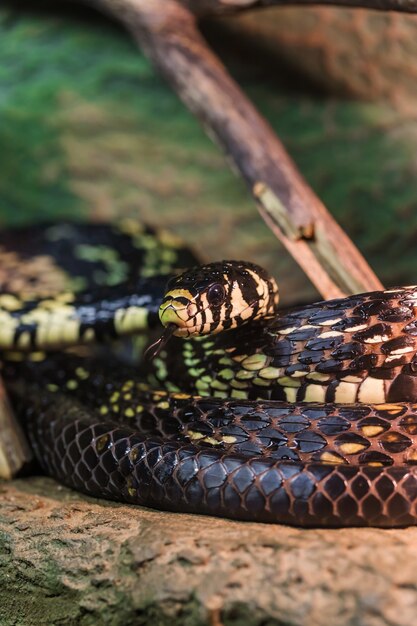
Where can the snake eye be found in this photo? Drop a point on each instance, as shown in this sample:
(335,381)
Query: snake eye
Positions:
(216,294)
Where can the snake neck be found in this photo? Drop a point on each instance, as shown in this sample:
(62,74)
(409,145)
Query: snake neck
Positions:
(357,349)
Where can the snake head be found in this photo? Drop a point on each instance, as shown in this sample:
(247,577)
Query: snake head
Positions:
(218,296)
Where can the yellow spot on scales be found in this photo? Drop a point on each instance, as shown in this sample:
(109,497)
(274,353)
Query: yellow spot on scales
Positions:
(411,456)
(65,297)
(9,302)
(130,320)
(130,488)
(229,439)
(133,454)
(129,226)
(211,441)
(24,341)
(392,409)
(287,331)
(181,396)
(239,357)
(72,384)
(171,387)
(376,339)
(287,381)
(217,384)
(327,322)
(352,448)
(36,357)
(196,372)
(239,395)
(225,361)
(400,351)
(82,373)
(290,394)
(322,378)
(345,393)
(201,385)
(271,373)
(129,412)
(239,384)
(330,333)
(255,362)
(168,238)
(315,393)
(8,328)
(262,382)
(102,442)
(352,379)
(88,335)
(157,395)
(54,327)
(355,329)
(372,391)
(190,362)
(245,375)
(194,435)
(372,430)
(330,457)
(226,374)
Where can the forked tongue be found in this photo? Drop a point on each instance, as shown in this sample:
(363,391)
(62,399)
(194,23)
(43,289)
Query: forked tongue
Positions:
(155,348)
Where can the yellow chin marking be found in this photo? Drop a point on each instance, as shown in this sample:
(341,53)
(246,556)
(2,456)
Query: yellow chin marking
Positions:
(174,312)
(171,315)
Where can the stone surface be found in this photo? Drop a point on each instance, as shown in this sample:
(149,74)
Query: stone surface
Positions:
(70,560)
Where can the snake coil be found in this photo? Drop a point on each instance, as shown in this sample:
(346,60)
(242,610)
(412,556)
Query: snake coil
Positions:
(305,416)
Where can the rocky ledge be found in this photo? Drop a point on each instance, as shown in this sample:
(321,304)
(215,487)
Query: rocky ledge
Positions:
(70,560)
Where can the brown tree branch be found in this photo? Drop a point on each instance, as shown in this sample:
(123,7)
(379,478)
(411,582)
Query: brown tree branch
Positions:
(168,33)
(213,7)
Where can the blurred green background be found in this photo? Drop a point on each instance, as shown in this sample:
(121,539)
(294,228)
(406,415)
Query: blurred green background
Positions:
(89,130)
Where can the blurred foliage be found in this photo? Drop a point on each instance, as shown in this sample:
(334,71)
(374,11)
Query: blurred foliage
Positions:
(88,129)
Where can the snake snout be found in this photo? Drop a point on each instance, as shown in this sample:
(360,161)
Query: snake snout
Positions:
(178,309)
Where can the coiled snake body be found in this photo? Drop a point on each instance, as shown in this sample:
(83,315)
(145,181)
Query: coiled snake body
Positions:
(304,417)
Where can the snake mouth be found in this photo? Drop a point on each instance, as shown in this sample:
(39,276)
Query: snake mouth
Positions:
(175,316)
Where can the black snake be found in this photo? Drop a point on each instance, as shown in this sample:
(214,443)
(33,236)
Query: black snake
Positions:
(303,416)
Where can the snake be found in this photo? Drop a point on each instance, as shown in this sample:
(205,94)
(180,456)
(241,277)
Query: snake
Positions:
(305,416)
